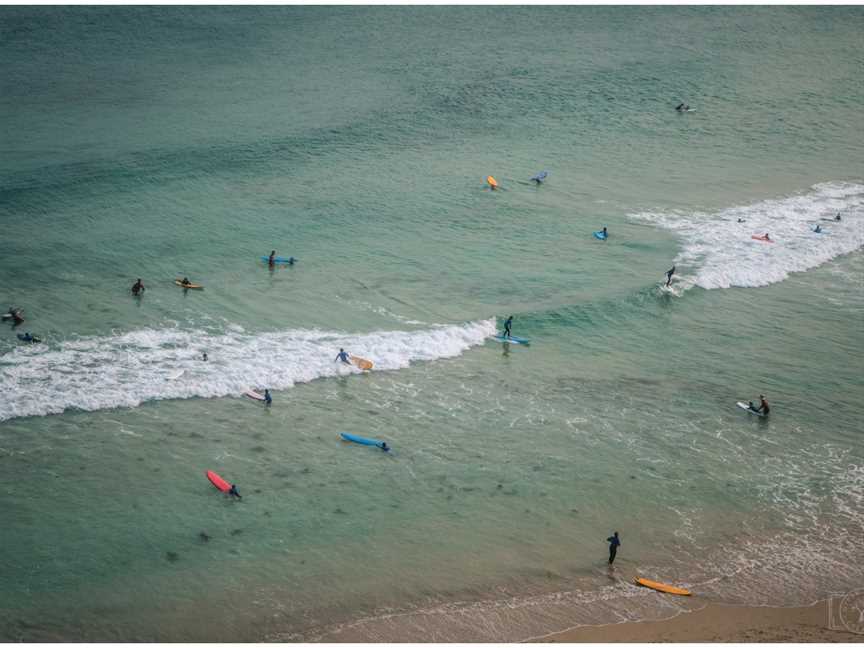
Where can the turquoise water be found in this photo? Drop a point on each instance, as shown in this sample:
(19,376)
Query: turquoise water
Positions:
(169,142)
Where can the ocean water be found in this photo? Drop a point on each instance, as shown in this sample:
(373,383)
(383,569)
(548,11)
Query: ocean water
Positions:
(162,142)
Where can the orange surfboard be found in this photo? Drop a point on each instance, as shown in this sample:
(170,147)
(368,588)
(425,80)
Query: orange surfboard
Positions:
(363,363)
(662,587)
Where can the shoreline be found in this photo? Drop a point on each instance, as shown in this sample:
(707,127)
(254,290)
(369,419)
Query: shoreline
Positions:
(819,622)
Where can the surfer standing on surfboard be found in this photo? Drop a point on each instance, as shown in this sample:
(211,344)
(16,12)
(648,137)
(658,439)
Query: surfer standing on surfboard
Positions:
(507,324)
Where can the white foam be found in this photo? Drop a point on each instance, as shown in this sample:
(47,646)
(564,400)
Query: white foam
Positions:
(722,254)
(126,370)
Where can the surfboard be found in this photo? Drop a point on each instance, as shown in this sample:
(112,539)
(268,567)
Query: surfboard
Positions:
(361,440)
(174,375)
(540,177)
(254,395)
(512,338)
(492,182)
(761,238)
(746,406)
(218,482)
(289,260)
(662,587)
(600,235)
(179,282)
(363,363)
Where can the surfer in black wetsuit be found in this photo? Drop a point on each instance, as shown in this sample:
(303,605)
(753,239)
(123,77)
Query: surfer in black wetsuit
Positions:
(669,274)
(267,397)
(837,217)
(507,324)
(605,233)
(185,283)
(614,543)
(763,406)
(138,287)
(384,446)
(680,107)
(272,259)
(818,229)
(234,492)
(343,356)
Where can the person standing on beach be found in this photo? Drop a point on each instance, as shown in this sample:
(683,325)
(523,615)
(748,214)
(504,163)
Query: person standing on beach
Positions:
(614,543)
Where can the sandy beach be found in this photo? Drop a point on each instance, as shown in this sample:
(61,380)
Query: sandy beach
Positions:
(732,624)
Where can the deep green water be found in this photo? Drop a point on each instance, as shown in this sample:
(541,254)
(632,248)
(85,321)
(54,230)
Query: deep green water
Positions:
(168,142)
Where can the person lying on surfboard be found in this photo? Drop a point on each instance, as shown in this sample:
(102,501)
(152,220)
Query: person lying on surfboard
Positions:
(234,492)
(343,356)
(507,324)
(669,274)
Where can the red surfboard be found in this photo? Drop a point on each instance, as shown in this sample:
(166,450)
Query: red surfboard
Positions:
(218,482)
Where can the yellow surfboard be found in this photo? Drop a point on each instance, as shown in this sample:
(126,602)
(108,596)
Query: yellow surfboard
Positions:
(179,282)
(363,363)
(492,182)
(661,587)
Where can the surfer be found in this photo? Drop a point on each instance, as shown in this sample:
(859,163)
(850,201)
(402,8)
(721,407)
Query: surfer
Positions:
(766,237)
(268,399)
(818,229)
(669,274)
(384,446)
(680,107)
(605,233)
(272,259)
(186,281)
(507,324)
(138,287)
(763,406)
(343,356)
(234,492)
(740,220)
(837,217)
(614,543)
(204,357)
(16,315)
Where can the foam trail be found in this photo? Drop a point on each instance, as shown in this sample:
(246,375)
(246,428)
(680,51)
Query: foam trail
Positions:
(126,370)
(723,255)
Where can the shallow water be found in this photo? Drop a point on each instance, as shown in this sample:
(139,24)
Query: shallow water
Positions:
(170,142)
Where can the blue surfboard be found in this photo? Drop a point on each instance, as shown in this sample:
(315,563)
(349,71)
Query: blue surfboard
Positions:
(364,441)
(540,177)
(512,338)
(289,260)
(600,235)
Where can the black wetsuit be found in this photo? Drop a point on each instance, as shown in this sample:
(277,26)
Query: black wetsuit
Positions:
(507,326)
(614,543)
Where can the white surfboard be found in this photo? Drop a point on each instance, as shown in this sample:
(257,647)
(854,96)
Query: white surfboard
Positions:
(746,406)
(174,375)
(253,395)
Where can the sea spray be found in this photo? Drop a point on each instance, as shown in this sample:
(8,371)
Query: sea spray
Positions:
(94,373)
